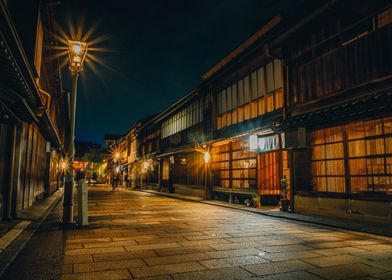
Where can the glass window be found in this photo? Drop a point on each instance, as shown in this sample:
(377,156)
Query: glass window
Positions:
(253,82)
(260,82)
(240,92)
(246,90)
(234,95)
(229,98)
(224,103)
(278,73)
(270,77)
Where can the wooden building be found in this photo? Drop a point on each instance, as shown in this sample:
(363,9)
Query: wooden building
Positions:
(247,88)
(306,100)
(33,105)
(339,92)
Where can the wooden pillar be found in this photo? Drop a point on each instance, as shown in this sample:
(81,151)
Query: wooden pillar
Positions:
(9,171)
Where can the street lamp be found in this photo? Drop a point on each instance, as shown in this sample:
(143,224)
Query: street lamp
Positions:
(207,157)
(117,156)
(77,52)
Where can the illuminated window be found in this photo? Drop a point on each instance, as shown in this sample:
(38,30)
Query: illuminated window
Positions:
(259,93)
(182,120)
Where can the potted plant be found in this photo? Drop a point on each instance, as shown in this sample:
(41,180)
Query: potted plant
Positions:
(256,201)
(247,202)
(284,202)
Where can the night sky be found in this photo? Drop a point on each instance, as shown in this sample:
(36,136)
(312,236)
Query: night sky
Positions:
(157,53)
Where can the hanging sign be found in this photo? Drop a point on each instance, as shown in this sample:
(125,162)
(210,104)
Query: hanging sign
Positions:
(269,143)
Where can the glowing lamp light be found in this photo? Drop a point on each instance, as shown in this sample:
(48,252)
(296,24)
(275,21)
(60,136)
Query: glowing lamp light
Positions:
(117,155)
(77,52)
(207,157)
(253,142)
(76,49)
(146,165)
(64,165)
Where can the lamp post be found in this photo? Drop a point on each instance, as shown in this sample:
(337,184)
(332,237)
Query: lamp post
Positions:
(77,52)
(207,157)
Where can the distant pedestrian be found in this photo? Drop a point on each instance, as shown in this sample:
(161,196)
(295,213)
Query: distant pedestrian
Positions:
(112,180)
(115,181)
(126,181)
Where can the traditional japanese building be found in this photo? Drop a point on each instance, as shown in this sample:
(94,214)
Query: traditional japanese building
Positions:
(340,92)
(305,101)
(33,106)
(247,93)
(184,125)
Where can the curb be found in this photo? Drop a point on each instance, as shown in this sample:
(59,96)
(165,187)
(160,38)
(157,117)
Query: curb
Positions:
(17,245)
(382,236)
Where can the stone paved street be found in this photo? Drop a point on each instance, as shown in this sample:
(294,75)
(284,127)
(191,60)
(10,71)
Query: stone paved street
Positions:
(141,235)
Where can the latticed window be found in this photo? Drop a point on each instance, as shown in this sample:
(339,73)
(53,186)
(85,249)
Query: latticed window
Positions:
(363,148)
(254,95)
(233,165)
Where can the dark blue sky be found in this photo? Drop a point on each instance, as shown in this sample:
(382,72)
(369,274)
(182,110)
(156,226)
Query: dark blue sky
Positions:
(158,51)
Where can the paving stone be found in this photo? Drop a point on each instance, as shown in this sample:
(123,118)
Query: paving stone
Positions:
(110,244)
(383,264)
(160,277)
(74,246)
(277,257)
(108,265)
(281,242)
(204,242)
(151,246)
(362,242)
(297,275)
(166,269)
(278,267)
(101,275)
(228,273)
(376,247)
(94,251)
(245,260)
(88,240)
(78,259)
(338,251)
(215,263)
(124,255)
(176,259)
(346,271)
(285,248)
(183,250)
(235,253)
(230,246)
(334,260)
(328,245)
(372,255)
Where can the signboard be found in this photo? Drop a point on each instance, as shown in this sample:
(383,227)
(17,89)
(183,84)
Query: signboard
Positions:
(269,143)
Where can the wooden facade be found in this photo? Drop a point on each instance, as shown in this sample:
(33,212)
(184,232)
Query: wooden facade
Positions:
(34,108)
(306,99)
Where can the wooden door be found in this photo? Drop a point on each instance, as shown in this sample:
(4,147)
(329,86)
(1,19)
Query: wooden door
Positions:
(268,173)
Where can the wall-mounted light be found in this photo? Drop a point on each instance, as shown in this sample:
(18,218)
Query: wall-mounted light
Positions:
(183,160)
(207,157)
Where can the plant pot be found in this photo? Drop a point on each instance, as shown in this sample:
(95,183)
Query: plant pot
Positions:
(284,205)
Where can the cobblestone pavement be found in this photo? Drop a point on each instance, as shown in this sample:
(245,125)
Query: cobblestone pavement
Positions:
(141,235)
